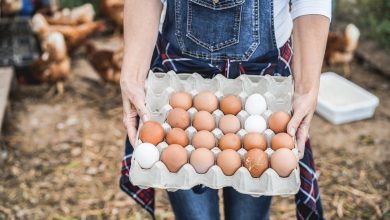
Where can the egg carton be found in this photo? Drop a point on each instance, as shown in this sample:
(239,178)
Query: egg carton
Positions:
(160,86)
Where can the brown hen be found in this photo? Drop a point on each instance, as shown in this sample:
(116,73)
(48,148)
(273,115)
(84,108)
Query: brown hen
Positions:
(11,7)
(341,47)
(75,35)
(54,64)
(113,10)
(78,15)
(107,63)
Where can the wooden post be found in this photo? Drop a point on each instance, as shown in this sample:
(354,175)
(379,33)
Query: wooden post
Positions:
(6,75)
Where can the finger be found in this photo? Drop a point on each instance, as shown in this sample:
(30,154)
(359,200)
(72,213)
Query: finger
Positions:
(132,134)
(138,101)
(132,124)
(142,111)
(301,146)
(129,119)
(295,122)
(302,135)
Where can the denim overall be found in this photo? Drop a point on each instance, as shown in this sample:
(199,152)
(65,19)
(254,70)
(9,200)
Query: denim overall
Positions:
(229,37)
(229,29)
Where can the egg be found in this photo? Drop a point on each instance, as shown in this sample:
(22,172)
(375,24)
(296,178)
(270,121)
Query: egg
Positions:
(151,132)
(254,140)
(256,161)
(229,124)
(282,140)
(229,141)
(283,161)
(202,159)
(230,105)
(177,136)
(203,120)
(174,157)
(146,155)
(229,161)
(255,104)
(203,139)
(181,100)
(206,101)
(278,121)
(255,123)
(178,118)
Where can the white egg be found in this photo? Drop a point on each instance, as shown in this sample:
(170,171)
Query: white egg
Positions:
(255,123)
(146,155)
(255,104)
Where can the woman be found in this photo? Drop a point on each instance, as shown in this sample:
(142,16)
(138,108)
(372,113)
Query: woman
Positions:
(229,37)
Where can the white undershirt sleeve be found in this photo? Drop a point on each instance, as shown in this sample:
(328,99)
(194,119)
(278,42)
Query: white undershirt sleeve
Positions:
(310,7)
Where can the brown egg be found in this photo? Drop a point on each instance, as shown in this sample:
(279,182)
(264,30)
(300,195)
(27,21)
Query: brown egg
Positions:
(229,124)
(229,161)
(254,140)
(177,136)
(282,140)
(202,159)
(203,139)
(203,121)
(278,121)
(283,161)
(206,101)
(151,132)
(174,157)
(178,118)
(230,105)
(256,161)
(229,141)
(181,100)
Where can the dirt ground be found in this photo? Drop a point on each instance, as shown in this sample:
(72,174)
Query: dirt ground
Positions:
(61,155)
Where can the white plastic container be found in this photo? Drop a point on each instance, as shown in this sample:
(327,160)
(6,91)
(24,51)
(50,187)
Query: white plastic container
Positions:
(341,101)
(160,86)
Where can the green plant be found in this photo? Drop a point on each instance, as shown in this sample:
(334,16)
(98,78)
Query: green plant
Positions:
(371,16)
(74,3)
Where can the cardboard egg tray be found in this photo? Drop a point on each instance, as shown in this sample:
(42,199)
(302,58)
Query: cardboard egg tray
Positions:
(278,94)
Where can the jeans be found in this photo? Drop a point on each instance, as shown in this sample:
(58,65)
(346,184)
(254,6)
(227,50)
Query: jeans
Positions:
(188,205)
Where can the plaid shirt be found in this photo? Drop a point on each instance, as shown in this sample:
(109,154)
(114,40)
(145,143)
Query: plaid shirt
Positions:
(166,58)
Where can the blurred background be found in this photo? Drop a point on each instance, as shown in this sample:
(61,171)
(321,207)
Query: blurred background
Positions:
(62,138)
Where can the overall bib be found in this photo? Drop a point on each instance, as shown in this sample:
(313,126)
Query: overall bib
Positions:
(229,37)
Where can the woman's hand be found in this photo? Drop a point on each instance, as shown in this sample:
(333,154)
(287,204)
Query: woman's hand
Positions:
(133,96)
(304,105)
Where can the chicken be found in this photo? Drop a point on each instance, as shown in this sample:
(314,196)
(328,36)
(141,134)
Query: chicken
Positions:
(113,10)
(54,47)
(40,26)
(107,63)
(78,15)
(341,47)
(74,35)
(54,64)
(11,7)
(51,71)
